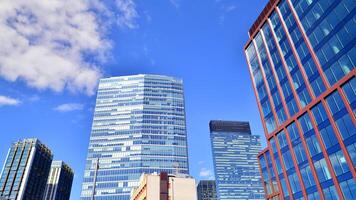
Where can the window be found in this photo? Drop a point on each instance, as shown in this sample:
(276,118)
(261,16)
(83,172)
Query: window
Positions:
(292,106)
(300,153)
(294,182)
(345,126)
(304,97)
(293,131)
(313,145)
(282,139)
(330,193)
(305,123)
(307,176)
(328,136)
(318,86)
(270,124)
(284,186)
(338,162)
(266,108)
(348,189)
(278,163)
(350,92)
(335,103)
(352,152)
(281,115)
(273,144)
(287,158)
(322,170)
(314,196)
(262,92)
(319,113)
(262,162)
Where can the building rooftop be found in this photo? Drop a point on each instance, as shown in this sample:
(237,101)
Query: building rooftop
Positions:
(262,16)
(230,126)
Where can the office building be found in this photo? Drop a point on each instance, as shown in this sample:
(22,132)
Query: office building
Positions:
(25,172)
(206,190)
(59,183)
(165,187)
(138,127)
(235,152)
(301,56)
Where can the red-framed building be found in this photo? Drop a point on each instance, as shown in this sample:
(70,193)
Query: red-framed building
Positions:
(302,56)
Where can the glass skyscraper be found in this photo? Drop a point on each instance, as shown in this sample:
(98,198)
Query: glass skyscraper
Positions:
(138,127)
(25,172)
(235,152)
(59,183)
(206,190)
(302,56)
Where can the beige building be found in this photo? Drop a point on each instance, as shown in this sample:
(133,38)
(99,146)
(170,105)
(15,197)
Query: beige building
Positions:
(165,187)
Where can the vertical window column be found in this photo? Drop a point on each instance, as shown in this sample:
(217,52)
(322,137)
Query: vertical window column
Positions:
(276,172)
(256,78)
(295,163)
(325,153)
(262,165)
(295,54)
(273,119)
(274,73)
(333,104)
(308,44)
(309,157)
(284,182)
(284,65)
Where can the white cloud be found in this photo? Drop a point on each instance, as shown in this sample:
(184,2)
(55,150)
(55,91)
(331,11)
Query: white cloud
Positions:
(206,173)
(58,45)
(69,107)
(44,44)
(8,101)
(127,14)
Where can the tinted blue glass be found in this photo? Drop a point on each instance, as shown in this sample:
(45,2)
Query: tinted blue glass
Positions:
(322,170)
(238,177)
(348,189)
(338,162)
(313,145)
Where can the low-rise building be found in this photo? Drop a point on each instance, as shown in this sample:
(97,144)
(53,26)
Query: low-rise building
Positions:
(165,187)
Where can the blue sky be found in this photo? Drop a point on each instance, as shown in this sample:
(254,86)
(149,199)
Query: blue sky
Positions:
(47,84)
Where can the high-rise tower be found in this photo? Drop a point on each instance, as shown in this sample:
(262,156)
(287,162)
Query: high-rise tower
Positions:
(59,183)
(138,127)
(25,171)
(235,152)
(302,56)
(206,190)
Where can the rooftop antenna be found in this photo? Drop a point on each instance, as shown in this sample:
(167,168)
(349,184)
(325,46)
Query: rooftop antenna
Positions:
(94,181)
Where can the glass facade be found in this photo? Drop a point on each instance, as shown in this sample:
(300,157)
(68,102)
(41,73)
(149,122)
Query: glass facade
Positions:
(206,190)
(59,183)
(138,127)
(25,172)
(235,152)
(301,56)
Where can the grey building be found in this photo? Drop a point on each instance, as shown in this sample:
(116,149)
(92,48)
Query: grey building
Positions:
(59,183)
(206,190)
(236,169)
(25,172)
(138,127)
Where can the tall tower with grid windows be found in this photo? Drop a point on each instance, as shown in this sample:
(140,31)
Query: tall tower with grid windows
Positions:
(301,56)
(26,169)
(235,150)
(138,127)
